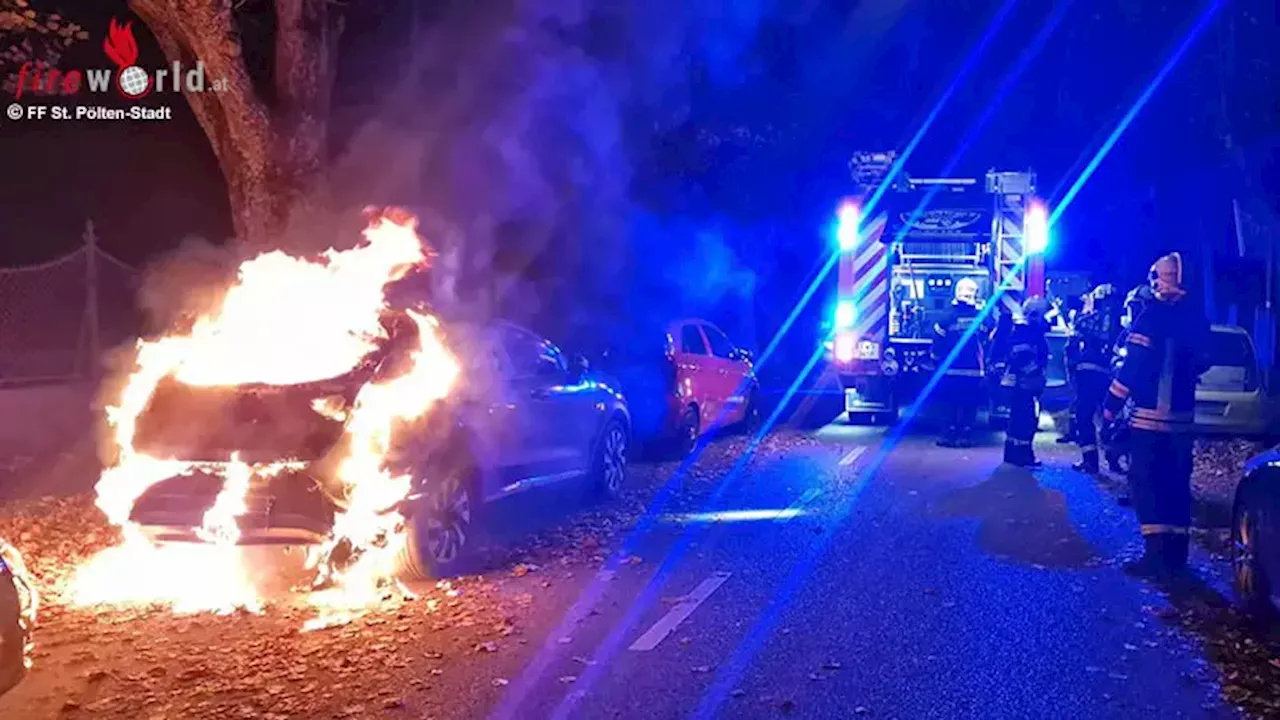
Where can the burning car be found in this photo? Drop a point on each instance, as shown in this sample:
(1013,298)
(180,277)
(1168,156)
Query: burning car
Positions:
(526,416)
(18,603)
(306,408)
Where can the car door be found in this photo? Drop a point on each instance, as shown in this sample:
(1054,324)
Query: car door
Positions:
(492,411)
(697,373)
(554,409)
(731,375)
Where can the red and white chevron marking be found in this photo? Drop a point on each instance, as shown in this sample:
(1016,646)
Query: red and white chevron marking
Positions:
(869,278)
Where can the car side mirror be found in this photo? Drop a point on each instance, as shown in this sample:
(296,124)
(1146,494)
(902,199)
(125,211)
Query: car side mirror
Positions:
(742,354)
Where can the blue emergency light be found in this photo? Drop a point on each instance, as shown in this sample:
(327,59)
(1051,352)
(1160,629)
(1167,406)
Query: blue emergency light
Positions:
(846,314)
(1035,229)
(848,218)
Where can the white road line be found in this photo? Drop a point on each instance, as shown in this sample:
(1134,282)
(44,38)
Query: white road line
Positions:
(852,456)
(678,614)
(797,507)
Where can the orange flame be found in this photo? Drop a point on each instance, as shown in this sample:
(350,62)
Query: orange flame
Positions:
(120,46)
(285,321)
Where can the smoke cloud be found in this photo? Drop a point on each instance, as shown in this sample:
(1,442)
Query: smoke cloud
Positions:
(520,128)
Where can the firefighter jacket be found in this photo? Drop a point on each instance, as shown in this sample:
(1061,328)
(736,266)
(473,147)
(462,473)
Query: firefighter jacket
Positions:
(1092,341)
(1028,357)
(1163,360)
(950,331)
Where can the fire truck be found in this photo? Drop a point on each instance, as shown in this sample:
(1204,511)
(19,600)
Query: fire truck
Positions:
(902,250)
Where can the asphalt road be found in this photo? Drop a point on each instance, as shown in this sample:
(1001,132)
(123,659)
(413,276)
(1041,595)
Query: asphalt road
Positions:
(864,574)
(830,573)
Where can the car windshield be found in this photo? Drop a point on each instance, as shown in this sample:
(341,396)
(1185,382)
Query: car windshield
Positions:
(1232,364)
(1228,349)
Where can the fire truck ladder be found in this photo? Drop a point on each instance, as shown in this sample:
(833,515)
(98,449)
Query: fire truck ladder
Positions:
(1010,191)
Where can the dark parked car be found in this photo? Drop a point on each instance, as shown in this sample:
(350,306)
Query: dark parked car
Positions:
(1255,535)
(522,415)
(17,617)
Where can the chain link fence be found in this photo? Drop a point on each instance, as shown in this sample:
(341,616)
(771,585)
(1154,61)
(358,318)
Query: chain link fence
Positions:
(58,316)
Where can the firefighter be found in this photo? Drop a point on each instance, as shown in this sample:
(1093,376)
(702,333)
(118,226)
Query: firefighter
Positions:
(1028,358)
(961,384)
(1072,358)
(1092,342)
(1158,374)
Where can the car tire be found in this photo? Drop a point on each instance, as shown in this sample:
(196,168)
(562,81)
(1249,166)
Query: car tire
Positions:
(442,523)
(609,461)
(1252,586)
(688,432)
(13,638)
(751,416)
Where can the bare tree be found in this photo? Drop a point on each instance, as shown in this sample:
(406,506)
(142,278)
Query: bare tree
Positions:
(270,138)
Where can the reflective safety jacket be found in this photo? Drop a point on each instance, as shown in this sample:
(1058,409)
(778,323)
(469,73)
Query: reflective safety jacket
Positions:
(950,331)
(1092,342)
(1028,357)
(1163,360)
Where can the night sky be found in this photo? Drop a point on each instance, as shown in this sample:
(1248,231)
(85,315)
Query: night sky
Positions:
(146,186)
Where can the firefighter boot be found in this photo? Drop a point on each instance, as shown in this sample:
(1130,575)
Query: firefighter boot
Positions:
(1164,557)
(1088,465)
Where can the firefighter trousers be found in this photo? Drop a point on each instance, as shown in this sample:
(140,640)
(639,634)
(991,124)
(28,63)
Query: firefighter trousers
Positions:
(1024,420)
(1160,490)
(960,395)
(1091,390)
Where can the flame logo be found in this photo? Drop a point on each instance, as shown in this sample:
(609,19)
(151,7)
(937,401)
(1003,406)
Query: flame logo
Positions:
(120,46)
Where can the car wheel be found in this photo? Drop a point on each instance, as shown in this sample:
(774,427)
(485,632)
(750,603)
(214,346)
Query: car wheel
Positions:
(442,525)
(609,466)
(751,416)
(689,431)
(1253,588)
(13,638)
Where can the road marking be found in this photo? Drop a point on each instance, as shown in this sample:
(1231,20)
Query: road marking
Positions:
(797,507)
(852,456)
(678,614)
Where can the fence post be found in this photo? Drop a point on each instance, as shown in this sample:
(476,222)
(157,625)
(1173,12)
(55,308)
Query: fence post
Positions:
(91,297)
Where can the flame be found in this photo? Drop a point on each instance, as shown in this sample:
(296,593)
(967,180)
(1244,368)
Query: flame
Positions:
(285,321)
(120,46)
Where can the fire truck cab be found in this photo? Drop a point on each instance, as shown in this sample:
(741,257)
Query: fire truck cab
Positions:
(904,243)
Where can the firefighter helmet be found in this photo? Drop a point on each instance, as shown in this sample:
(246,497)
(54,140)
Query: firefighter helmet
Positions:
(1102,292)
(967,290)
(1165,277)
(1034,308)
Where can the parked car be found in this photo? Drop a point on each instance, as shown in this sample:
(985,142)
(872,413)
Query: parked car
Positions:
(1255,535)
(523,415)
(684,381)
(1231,397)
(17,617)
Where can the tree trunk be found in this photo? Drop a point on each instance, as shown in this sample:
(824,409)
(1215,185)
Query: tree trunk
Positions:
(272,156)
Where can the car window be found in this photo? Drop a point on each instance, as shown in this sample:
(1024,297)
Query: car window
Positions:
(1230,350)
(528,354)
(691,340)
(720,345)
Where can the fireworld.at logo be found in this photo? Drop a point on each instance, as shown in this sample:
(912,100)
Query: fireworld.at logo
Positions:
(128,79)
